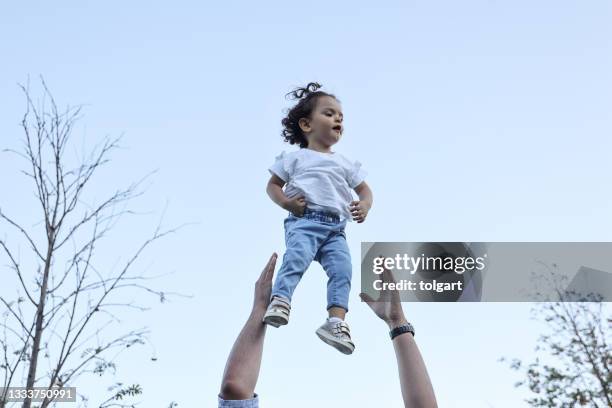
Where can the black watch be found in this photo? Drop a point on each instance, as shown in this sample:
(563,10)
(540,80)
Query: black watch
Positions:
(407,328)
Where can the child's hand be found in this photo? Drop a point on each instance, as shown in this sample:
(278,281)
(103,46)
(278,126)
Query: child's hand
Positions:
(296,205)
(359,210)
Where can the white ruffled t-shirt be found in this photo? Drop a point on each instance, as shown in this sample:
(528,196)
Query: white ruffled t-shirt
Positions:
(325,180)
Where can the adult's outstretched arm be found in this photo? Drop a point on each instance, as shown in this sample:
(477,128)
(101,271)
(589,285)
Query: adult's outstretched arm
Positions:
(417,390)
(242,367)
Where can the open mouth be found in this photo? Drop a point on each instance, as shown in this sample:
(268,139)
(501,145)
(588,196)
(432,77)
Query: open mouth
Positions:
(337,129)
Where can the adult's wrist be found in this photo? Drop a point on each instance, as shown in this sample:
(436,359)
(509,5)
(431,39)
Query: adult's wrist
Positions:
(393,323)
(403,329)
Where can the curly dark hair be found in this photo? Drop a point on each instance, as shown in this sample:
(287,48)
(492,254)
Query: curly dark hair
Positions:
(307,96)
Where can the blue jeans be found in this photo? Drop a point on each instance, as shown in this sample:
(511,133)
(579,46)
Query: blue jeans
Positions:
(250,403)
(316,236)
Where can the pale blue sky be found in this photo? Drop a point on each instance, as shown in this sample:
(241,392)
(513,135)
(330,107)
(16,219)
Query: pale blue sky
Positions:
(476,120)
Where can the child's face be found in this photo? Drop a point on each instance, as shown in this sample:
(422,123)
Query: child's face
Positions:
(325,125)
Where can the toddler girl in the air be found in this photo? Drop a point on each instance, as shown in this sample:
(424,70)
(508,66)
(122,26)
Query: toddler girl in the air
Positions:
(317,193)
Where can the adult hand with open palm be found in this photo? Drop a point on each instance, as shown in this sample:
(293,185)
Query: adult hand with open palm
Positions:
(388,306)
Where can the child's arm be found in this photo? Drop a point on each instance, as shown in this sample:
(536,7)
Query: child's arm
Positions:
(361,207)
(295,204)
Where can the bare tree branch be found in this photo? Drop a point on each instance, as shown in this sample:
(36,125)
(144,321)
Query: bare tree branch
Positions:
(70,300)
(14,224)
(17,271)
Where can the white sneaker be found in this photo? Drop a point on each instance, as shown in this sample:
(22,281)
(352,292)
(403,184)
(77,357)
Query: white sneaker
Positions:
(277,313)
(337,335)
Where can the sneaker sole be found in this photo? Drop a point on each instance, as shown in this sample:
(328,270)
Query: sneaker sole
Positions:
(329,339)
(275,320)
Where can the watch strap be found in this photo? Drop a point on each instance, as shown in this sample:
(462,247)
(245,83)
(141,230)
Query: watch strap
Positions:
(406,328)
